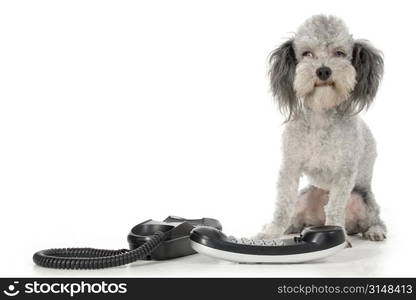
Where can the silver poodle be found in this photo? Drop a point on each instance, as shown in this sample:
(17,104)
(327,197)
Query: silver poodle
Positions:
(322,78)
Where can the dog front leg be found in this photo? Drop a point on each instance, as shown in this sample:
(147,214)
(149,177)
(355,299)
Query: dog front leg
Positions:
(339,194)
(287,186)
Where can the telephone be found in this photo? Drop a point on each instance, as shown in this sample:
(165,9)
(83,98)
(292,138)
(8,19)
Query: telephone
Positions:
(176,237)
(313,243)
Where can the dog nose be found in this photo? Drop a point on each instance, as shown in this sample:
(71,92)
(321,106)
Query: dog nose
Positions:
(323,73)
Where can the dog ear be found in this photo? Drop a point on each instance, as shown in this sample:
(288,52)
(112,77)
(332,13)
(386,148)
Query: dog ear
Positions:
(282,74)
(369,65)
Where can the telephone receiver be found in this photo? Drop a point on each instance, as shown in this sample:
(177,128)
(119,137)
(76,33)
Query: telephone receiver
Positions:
(176,237)
(315,242)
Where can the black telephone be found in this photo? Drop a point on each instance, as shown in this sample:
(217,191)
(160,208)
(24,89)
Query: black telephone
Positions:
(148,240)
(176,237)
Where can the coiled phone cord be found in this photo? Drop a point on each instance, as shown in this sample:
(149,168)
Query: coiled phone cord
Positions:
(90,258)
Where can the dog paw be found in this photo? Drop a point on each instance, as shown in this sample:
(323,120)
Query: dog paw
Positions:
(375,233)
(270,231)
(348,243)
(293,229)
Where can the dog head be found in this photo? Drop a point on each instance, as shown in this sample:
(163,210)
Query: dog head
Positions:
(323,67)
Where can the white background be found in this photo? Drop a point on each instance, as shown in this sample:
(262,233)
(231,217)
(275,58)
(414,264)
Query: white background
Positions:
(113,112)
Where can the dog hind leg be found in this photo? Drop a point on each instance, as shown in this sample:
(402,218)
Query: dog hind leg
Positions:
(373,228)
(362,213)
(309,209)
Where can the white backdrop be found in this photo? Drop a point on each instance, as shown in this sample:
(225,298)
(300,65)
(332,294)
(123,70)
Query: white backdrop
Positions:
(113,112)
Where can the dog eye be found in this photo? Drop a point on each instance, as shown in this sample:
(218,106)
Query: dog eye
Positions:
(307,54)
(340,53)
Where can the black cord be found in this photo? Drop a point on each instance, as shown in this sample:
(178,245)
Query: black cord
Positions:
(90,258)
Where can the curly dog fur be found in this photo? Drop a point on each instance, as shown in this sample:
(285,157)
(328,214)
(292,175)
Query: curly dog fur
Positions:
(322,78)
